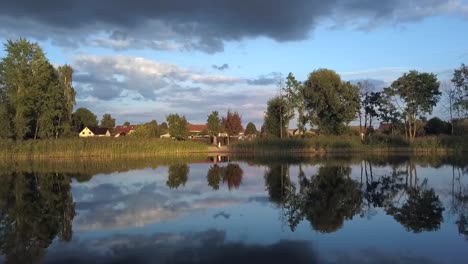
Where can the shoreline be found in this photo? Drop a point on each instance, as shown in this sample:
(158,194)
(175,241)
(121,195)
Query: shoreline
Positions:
(225,151)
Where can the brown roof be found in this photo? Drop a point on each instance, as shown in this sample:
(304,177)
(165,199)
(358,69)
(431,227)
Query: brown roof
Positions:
(98,130)
(196,128)
(125,129)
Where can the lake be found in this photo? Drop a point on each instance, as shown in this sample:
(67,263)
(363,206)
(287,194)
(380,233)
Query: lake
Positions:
(329,209)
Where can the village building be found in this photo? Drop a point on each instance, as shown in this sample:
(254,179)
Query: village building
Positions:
(94,132)
(125,130)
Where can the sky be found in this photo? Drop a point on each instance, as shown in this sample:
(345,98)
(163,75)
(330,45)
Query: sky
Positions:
(142,60)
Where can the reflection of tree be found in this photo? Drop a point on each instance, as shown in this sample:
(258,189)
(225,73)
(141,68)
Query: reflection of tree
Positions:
(325,200)
(232,174)
(459,204)
(277,182)
(177,175)
(379,192)
(214,176)
(34,209)
(421,212)
(462,224)
(332,197)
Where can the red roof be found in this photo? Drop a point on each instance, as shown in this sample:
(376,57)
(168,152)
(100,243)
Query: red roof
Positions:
(196,128)
(125,129)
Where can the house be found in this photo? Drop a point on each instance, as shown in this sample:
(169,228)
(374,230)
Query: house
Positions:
(196,129)
(95,132)
(167,135)
(385,127)
(125,130)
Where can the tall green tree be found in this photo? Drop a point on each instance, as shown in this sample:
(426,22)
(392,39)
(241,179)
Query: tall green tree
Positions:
(331,102)
(36,99)
(277,117)
(108,121)
(82,118)
(419,93)
(460,81)
(295,96)
(148,130)
(178,126)
(250,129)
(68,95)
(214,123)
(28,80)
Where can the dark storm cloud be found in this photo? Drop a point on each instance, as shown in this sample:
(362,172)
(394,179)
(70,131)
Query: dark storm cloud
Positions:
(223,67)
(202,25)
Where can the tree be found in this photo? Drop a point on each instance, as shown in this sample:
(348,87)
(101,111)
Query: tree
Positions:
(126,123)
(163,128)
(177,175)
(178,126)
(277,116)
(82,118)
(295,96)
(371,102)
(460,81)
(419,92)
(36,99)
(68,94)
(331,102)
(214,124)
(147,130)
(108,122)
(250,129)
(232,123)
(436,126)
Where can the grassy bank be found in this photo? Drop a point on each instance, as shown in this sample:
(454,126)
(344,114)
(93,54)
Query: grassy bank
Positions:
(132,147)
(336,144)
(97,147)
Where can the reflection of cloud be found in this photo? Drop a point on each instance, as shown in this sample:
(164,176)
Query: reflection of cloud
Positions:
(222,214)
(209,247)
(111,208)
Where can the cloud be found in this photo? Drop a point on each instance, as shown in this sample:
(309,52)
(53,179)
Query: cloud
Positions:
(204,25)
(223,67)
(109,77)
(138,89)
(269,79)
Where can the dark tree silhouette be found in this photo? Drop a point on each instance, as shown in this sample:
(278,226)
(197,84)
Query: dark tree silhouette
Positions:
(177,175)
(214,176)
(233,175)
(421,212)
(34,209)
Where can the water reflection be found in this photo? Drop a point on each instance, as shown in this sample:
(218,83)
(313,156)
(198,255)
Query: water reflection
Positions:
(231,174)
(34,209)
(37,208)
(177,175)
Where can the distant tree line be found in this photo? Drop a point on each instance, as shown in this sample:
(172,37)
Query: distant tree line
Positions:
(329,104)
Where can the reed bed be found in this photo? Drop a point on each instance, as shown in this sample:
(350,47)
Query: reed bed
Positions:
(97,147)
(348,144)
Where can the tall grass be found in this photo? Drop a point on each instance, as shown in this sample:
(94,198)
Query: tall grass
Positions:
(373,143)
(97,147)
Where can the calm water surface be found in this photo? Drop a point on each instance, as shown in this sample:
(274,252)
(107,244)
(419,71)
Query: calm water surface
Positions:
(262,210)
